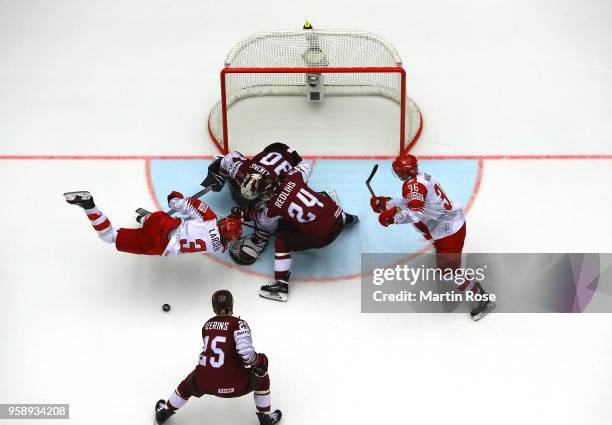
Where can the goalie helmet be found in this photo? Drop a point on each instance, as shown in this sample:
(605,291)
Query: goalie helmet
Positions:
(256,185)
(230,228)
(223,302)
(405,166)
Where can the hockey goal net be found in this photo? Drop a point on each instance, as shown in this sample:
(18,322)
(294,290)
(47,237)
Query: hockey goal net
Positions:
(314,64)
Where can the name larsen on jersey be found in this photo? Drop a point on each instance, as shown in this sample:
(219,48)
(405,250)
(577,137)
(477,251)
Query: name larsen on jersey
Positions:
(214,238)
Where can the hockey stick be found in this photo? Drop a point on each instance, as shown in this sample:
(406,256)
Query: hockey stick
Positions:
(142,211)
(370,179)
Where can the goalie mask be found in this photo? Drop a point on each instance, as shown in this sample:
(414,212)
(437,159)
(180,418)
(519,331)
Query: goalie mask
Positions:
(230,228)
(405,167)
(255,185)
(223,302)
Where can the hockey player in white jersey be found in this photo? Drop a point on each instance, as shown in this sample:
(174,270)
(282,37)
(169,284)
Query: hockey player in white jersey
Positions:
(161,234)
(434,215)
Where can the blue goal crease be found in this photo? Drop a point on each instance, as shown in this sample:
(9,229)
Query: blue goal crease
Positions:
(458,177)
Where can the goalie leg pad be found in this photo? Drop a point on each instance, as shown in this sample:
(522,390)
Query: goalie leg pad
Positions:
(246,251)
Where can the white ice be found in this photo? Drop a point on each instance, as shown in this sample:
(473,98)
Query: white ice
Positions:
(81,323)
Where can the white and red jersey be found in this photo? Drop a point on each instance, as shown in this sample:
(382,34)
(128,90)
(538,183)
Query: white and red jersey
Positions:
(424,201)
(198,232)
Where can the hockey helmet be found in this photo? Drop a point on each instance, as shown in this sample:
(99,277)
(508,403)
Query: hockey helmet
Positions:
(405,166)
(223,302)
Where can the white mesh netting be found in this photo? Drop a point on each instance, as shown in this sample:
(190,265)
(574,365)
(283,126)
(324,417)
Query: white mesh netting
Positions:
(314,49)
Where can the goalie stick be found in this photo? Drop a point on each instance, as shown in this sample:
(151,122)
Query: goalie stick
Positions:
(374,169)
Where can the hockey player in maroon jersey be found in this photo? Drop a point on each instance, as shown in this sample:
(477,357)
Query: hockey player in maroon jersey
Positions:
(228,367)
(434,215)
(161,234)
(315,219)
(276,159)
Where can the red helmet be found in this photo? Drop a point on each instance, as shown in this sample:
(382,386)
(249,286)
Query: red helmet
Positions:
(230,228)
(405,166)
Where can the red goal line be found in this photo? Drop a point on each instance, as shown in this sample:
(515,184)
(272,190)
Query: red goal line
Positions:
(347,157)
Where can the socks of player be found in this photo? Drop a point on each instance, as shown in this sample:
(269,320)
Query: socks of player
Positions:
(282,264)
(471,286)
(262,401)
(175,401)
(101,224)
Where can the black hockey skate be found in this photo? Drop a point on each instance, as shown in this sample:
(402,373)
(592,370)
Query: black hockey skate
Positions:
(81,198)
(350,219)
(483,308)
(162,413)
(271,419)
(277,291)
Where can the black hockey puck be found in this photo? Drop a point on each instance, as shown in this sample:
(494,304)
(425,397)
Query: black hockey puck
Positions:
(166,307)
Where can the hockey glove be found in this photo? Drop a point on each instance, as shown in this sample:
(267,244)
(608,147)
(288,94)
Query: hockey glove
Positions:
(214,179)
(260,367)
(388,217)
(243,213)
(379,203)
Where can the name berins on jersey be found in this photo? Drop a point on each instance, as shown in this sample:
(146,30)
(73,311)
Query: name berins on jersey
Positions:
(217,326)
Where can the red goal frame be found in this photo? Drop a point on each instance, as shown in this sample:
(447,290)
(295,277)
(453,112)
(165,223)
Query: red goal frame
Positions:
(224,148)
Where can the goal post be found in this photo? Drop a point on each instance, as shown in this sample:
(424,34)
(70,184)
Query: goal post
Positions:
(314,64)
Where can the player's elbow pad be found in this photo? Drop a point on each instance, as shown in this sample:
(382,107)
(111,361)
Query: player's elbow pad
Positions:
(244,347)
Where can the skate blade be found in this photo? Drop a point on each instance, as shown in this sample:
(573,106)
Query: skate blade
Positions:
(490,307)
(71,196)
(274,297)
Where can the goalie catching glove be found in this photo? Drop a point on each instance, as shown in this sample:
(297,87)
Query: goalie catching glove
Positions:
(215,178)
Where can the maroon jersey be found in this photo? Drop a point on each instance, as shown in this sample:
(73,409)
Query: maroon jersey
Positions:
(310,212)
(275,160)
(221,370)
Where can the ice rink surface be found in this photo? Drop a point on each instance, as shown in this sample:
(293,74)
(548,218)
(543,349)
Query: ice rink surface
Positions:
(107,95)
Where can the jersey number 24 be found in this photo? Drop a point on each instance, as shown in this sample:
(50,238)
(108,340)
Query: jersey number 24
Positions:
(308,200)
